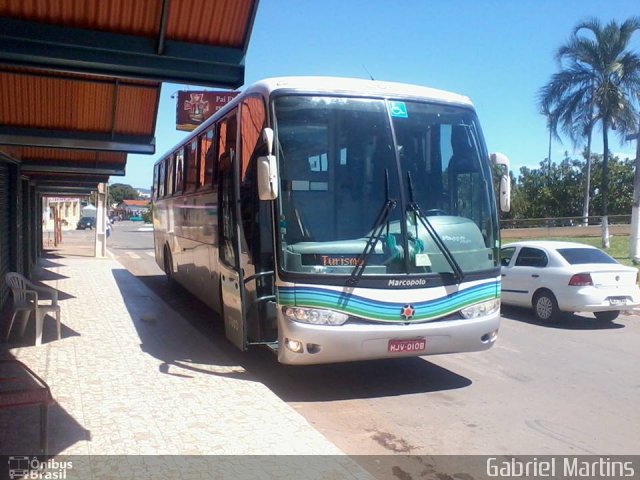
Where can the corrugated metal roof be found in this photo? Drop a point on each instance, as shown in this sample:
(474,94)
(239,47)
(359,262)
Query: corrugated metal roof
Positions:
(139,17)
(136,203)
(220,22)
(76,102)
(111,45)
(28,154)
(136,110)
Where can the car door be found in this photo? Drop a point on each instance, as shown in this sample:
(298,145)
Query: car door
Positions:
(506,256)
(524,275)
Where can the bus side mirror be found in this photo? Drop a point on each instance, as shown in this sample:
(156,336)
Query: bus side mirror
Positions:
(267,138)
(267,169)
(505,181)
(267,177)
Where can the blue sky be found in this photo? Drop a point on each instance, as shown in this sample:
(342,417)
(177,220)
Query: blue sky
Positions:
(497,52)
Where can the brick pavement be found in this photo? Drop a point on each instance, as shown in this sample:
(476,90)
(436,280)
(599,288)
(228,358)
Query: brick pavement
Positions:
(132,377)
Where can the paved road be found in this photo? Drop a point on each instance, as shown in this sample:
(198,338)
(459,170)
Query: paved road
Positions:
(573,388)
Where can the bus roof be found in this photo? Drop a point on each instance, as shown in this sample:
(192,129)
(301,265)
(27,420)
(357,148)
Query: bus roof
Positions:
(357,86)
(335,85)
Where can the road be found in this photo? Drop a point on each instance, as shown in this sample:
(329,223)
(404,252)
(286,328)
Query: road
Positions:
(568,389)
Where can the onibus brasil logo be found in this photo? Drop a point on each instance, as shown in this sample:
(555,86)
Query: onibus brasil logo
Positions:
(25,467)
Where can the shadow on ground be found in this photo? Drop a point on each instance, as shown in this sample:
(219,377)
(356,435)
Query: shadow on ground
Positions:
(343,381)
(566,321)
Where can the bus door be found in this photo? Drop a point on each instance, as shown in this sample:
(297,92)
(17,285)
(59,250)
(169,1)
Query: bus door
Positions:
(231,274)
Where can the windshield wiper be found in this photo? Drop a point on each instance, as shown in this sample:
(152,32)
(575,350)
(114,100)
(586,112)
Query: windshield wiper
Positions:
(376,232)
(415,208)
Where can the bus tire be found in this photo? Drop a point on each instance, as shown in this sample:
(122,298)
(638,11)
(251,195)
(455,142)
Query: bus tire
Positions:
(168,267)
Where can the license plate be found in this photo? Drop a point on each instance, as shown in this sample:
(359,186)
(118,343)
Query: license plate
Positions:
(618,300)
(404,346)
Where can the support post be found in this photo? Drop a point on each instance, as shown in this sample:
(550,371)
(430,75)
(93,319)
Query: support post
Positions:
(101,220)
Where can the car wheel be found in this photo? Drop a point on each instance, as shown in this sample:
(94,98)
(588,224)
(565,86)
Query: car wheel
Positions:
(545,307)
(607,316)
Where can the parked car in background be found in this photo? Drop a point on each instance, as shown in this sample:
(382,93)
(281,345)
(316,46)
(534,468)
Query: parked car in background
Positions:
(554,277)
(86,222)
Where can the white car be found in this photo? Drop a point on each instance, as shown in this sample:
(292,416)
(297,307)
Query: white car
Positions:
(553,277)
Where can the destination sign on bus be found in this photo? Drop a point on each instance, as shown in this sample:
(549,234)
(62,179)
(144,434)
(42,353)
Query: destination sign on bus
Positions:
(339,260)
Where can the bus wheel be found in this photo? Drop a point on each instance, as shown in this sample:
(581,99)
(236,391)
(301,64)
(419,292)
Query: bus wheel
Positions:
(168,267)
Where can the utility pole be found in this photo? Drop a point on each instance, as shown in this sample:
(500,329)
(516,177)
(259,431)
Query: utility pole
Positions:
(634,237)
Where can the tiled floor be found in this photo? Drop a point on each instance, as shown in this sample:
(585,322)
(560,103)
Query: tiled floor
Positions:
(132,377)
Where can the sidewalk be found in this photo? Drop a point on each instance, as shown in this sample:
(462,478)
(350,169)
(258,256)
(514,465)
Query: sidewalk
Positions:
(130,376)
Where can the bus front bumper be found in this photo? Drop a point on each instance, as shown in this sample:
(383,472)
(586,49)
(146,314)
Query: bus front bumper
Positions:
(305,344)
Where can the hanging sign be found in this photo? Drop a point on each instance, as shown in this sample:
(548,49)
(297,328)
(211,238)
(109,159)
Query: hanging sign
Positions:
(194,107)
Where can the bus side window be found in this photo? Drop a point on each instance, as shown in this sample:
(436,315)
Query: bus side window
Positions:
(207,156)
(179,176)
(191,166)
(254,212)
(154,193)
(161,179)
(226,150)
(169,175)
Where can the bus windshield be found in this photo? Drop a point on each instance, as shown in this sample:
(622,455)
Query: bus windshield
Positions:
(409,178)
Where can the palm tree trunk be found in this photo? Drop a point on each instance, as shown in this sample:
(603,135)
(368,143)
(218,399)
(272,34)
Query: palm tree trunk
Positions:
(587,182)
(634,240)
(605,184)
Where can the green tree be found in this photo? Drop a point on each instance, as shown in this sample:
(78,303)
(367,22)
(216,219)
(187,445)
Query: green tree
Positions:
(121,191)
(620,182)
(598,82)
(548,191)
(554,191)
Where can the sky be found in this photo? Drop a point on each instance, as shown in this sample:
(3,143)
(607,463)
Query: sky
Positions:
(499,53)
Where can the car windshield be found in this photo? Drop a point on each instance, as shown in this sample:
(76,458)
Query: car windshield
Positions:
(579,256)
(343,164)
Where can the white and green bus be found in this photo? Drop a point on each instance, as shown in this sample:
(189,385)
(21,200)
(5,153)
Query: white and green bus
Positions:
(337,220)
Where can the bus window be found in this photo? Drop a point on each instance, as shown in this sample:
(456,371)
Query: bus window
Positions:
(227,151)
(206,158)
(252,122)
(179,176)
(161,179)
(169,175)
(154,193)
(191,166)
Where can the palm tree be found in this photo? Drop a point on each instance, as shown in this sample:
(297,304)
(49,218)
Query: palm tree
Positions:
(597,83)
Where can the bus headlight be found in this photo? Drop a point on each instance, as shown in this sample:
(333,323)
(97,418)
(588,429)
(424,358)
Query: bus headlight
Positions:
(314,316)
(481,309)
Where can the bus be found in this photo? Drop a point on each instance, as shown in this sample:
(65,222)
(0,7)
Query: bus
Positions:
(338,220)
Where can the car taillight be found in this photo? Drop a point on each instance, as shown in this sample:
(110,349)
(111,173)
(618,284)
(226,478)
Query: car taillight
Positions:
(581,280)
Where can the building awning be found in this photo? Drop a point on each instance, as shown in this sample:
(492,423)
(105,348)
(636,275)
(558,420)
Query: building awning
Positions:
(81,78)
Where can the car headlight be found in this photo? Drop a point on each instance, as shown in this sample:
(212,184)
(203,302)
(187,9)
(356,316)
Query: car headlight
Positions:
(481,309)
(314,316)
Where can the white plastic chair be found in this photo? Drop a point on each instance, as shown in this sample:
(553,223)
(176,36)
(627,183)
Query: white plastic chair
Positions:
(27,298)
